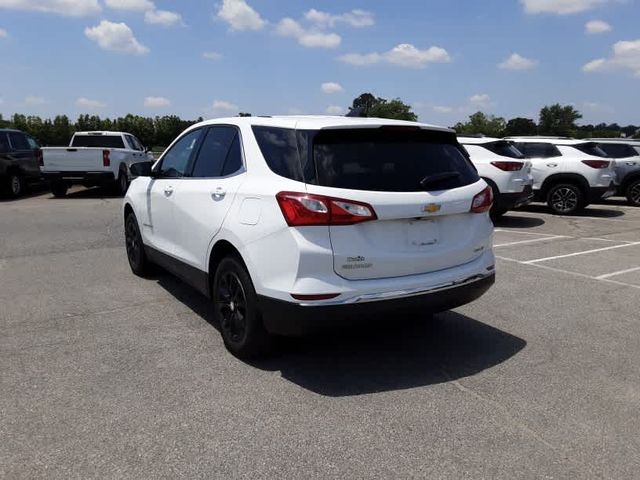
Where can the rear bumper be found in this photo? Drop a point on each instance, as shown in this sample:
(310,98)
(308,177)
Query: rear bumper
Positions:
(79,177)
(287,318)
(509,201)
(597,193)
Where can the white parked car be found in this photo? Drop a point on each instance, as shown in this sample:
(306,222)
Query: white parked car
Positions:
(626,154)
(91,159)
(564,176)
(504,168)
(287,223)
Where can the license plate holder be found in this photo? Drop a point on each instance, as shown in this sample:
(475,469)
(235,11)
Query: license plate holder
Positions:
(423,233)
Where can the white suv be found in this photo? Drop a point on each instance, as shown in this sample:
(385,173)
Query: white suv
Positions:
(504,168)
(626,154)
(290,222)
(567,174)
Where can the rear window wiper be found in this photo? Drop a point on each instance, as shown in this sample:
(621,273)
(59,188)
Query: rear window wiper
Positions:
(438,177)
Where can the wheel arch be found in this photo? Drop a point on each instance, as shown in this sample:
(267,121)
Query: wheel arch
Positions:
(221,249)
(572,178)
(629,179)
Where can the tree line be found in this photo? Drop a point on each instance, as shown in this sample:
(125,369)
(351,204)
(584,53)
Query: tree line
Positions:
(158,132)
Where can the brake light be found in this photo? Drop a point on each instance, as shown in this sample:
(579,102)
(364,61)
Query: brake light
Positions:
(483,201)
(40,158)
(303,209)
(508,166)
(106,161)
(596,163)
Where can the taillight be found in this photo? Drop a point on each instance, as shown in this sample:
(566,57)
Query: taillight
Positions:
(508,166)
(596,163)
(40,158)
(303,209)
(483,201)
(106,161)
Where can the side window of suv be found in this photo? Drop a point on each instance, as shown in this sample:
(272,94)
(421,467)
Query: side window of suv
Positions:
(4,143)
(18,141)
(220,153)
(33,145)
(176,160)
(539,150)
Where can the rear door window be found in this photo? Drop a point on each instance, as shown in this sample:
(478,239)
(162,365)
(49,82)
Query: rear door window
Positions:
(504,149)
(538,150)
(398,160)
(32,143)
(591,149)
(98,141)
(18,141)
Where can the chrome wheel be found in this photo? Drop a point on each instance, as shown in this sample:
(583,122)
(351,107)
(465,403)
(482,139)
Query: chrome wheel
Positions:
(564,200)
(231,303)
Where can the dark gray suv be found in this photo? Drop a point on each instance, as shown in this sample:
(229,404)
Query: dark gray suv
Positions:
(20,157)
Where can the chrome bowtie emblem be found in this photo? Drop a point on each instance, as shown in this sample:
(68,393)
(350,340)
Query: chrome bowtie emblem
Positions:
(431,208)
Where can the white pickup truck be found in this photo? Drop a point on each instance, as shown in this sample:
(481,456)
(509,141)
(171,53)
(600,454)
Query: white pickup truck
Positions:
(91,159)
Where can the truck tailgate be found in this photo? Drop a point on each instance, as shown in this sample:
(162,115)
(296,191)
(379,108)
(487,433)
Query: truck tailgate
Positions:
(70,159)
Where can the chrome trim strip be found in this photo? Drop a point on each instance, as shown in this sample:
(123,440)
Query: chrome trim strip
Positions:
(397,294)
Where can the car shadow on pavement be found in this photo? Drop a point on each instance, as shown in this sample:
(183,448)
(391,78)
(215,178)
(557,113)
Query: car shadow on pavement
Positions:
(513,220)
(93,192)
(590,211)
(377,354)
(33,190)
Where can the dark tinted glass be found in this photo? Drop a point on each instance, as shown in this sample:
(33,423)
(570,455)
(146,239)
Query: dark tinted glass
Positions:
(4,142)
(539,150)
(19,141)
(98,141)
(176,160)
(233,162)
(33,145)
(212,154)
(280,150)
(591,149)
(504,149)
(618,150)
(391,161)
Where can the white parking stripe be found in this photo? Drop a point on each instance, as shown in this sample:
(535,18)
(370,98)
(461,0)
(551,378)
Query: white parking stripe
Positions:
(606,240)
(621,272)
(530,241)
(523,233)
(546,259)
(575,274)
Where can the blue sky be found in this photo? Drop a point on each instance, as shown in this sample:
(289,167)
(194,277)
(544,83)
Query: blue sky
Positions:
(206,58)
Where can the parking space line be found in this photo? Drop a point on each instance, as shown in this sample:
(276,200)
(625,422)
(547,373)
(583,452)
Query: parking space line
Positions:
(568,272)
(606,240)
(620,272)
(546,259)
(525,233)
(530,241)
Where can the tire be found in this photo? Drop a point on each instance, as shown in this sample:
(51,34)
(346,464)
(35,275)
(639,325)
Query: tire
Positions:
(15,185)
(59,189)
(122,184)
(235,305)
(632,193)
(565,199)
(496,213)
(136,255)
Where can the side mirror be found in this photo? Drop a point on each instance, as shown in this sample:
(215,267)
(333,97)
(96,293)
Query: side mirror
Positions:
(142,169)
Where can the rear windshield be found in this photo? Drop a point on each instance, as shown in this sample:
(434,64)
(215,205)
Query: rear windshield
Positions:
(591,149)
(504,149)
(404,160)
(618,150)
(99,141)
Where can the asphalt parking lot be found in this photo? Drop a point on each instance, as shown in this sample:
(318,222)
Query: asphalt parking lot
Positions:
(106,375)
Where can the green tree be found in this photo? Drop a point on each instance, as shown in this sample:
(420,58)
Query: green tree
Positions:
(558,120)
(61,131)
(363,104)
(395,109)
(482,124)
(521,126)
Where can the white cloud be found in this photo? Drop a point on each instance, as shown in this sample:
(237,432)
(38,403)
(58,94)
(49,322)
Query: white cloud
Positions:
(162,17)
(335,110)
(331,87)
(69,8)
(441,109)
(518,62)
(130,5)
(481,100)
(212,55)
(156,102)
(89,104)
(626,56)
(355,18)
(594,27)
(560,7)
(116,37)
(288,27)
(240,16)
(3,33)
(224,106)
(34,101)
(597,107)
(403,55)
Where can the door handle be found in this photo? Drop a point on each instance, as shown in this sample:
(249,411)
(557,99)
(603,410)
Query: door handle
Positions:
(168,191)
(218,193)
(552,165)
